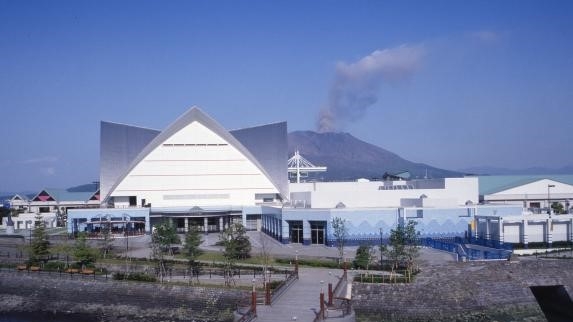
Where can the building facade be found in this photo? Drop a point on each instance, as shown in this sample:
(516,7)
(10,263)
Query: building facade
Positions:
(197,175)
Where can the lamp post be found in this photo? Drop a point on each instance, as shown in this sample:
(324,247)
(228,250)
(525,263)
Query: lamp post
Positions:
(30,238)
(344,264)
(330,295)
(126,218)
(380,247)
(549,186)
(321,300)
(296,262)
(254,299)
(268,289)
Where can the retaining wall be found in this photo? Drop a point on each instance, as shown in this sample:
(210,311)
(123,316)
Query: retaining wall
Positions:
(475,291)
(114,300)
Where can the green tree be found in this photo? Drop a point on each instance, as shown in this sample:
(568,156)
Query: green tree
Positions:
(84,254)
(340,232)
(64,248)
(163,236)
(557,208)
(191,249)
(236,242)
(39,245)
(237,246)
(106,242)
(403,248)
(265,256)
(364,256)
(4,212)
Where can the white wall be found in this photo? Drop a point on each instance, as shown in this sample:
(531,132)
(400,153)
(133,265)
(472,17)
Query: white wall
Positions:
(195,167)
(367,194)
(537,191)
(26,220)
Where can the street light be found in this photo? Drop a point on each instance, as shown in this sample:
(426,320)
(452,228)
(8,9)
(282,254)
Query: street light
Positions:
(549,198)
(126,218)
(330,295)
(254,298)
(381,243)
(321,300)
(296,263)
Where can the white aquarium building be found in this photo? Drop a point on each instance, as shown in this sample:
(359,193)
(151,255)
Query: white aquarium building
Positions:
(198,175)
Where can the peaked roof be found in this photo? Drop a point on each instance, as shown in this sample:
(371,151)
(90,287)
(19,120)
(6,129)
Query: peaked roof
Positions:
(493,184)
(120,144)
(20,197)
(51,194)
(194,114)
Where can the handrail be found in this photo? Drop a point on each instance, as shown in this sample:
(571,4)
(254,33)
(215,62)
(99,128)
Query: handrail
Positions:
(284,287)
(248,316)
(342,303)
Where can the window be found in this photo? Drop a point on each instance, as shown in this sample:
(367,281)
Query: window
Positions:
(317,233)
(295,232)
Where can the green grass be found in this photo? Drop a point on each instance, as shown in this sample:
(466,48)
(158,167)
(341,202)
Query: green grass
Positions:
(312,263)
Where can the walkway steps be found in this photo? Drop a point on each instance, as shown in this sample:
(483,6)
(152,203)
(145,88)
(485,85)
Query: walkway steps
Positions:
(301,301)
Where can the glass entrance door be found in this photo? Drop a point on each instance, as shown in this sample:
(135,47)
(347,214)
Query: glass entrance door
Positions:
(295,232)
(317,232)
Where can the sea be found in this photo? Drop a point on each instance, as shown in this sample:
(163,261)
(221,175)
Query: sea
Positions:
(43,317)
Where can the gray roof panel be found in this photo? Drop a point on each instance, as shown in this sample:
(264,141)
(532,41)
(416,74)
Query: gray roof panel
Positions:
(119,146)
(192,115)
(268,144)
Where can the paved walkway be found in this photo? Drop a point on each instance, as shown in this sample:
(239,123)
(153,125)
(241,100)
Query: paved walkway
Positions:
(301,301)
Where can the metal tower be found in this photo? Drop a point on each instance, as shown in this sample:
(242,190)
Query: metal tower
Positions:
(300,167)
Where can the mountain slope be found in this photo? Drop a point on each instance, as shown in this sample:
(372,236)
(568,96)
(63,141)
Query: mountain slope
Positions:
(349,158)
(528,171)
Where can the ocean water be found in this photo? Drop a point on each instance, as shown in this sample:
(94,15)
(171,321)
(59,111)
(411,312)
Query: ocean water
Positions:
(44,317)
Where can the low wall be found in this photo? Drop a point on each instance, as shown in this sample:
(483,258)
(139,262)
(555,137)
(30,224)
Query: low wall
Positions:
(474,291)
(114,300)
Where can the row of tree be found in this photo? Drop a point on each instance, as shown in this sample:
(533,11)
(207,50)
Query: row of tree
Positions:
(40,249)
(234,240)
(401,250)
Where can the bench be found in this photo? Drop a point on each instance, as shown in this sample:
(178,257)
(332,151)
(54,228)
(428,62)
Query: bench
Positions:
(72,270)
(35,268)
(88,271)
(21,267)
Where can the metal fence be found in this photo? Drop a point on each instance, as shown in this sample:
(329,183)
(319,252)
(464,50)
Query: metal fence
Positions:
(284,286)
(465,248)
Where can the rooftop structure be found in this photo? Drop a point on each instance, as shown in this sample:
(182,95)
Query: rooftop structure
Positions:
(299,167)
(194,162)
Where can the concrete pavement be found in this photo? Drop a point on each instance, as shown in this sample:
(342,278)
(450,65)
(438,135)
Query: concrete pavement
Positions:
(301,302)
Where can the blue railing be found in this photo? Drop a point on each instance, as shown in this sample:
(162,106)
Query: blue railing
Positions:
(454,244)
(490,243)
(463,247)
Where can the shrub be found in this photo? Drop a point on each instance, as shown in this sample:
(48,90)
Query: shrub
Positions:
(54,266)
(371,278)
(140,277)
(562,244)
(273,285)
(312,262)
(535,245)
(363,257)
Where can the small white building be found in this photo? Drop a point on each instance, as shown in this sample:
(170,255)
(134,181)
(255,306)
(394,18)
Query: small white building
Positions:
(432,193)
(525,228)
(26,221)
(536,193)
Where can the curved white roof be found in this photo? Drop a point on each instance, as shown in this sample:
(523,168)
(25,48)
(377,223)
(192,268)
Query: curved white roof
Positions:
(276,133)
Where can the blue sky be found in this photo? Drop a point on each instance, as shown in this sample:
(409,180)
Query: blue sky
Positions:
(454,84)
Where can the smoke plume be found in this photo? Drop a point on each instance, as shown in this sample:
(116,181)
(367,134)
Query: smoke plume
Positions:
(356,85)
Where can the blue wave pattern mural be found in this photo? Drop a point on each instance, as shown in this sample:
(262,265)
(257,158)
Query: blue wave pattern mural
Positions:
(432,222)
(367,225)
